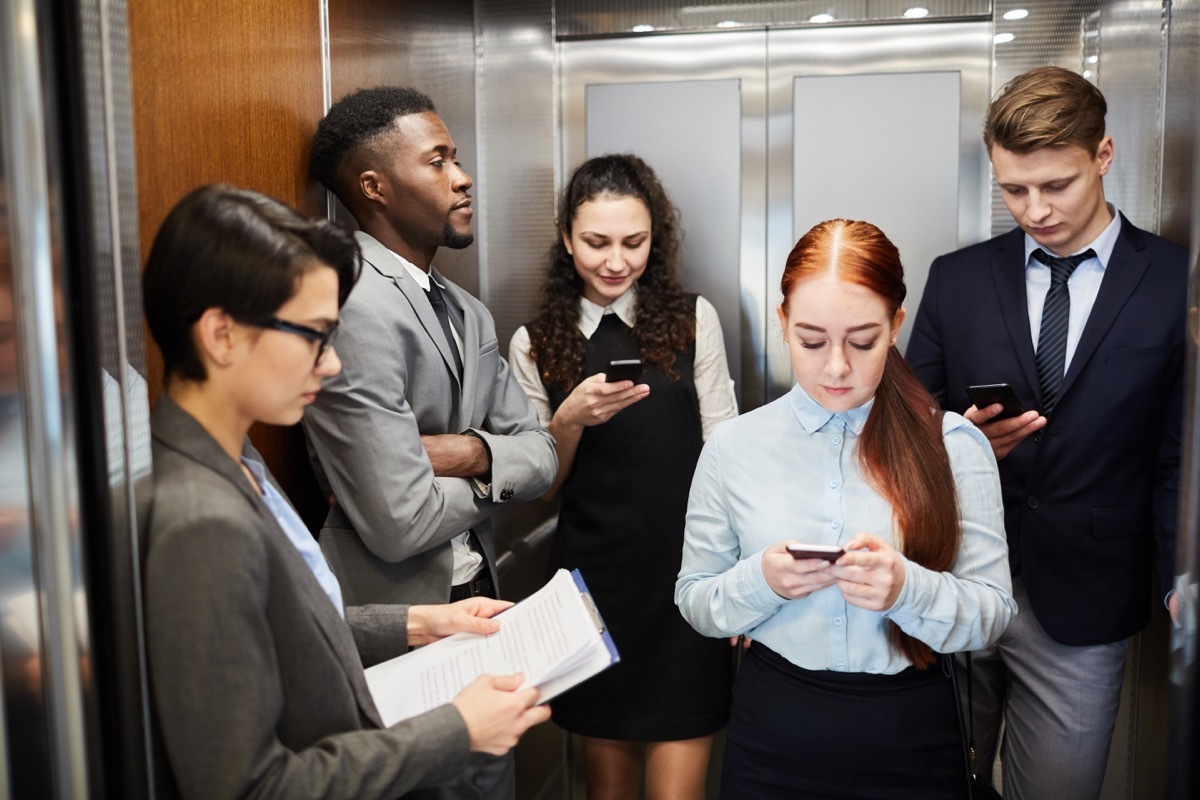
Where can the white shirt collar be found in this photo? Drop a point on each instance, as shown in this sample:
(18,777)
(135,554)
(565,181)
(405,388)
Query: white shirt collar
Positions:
(625,307)
(1103,244)
(419,275)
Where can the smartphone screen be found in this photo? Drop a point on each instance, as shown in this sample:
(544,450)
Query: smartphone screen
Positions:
(828,552)
(986,394)
(628,369)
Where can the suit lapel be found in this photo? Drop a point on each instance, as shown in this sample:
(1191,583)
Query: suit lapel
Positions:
(1008,272)
(470,336)
(1126,266)
(386,263)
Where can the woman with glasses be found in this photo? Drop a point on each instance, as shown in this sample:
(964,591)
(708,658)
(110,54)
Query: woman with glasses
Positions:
(257,677)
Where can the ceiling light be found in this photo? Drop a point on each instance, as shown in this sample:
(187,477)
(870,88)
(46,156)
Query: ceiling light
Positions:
(1016,13)
(642,28)
(916,12)
(1002,38)
(727,23)
(820,18)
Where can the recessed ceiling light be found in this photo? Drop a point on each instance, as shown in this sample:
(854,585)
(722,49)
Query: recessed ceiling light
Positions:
(1087,73)
(1003,38)
(1092,59)
(1016,13)
(642,28)
(727,23)
(916,12)
(821,18)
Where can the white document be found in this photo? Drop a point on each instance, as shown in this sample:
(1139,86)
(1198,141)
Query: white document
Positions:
(555,637)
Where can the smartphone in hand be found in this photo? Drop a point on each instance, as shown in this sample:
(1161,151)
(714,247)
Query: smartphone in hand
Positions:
(828,552)
(627,369)
(986,394)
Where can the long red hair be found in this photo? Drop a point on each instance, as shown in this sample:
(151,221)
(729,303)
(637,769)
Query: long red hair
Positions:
(901,448)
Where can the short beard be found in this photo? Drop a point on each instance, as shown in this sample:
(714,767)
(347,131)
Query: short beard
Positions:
(455,240)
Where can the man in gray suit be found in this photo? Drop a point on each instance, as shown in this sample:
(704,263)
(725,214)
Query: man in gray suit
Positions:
(425,431)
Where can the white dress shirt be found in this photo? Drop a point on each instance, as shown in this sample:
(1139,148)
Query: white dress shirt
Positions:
(714,387)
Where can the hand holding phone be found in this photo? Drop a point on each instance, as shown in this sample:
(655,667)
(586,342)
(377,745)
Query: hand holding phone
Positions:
(986,394)
(828,552)
(626,369)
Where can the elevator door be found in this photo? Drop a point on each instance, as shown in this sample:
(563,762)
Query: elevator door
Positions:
(758,135)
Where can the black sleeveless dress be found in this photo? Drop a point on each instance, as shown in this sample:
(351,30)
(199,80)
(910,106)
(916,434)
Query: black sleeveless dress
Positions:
(621,525)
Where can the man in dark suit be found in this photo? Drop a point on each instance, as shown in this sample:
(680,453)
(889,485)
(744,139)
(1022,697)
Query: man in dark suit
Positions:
(426,431)
(1084,314)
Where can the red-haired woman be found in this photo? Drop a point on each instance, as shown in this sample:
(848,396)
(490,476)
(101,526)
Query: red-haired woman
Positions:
(842,693)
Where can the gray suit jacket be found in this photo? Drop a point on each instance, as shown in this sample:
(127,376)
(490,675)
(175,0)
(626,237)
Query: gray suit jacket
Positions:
(257,686)
(387,539)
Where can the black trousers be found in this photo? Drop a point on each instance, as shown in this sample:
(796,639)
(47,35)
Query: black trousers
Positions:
(796,733)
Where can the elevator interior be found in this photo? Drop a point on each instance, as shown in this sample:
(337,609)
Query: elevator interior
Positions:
(762,118)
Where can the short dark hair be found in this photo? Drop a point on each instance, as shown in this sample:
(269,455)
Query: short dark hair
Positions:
(354,121)
(237,250)
(1046,107)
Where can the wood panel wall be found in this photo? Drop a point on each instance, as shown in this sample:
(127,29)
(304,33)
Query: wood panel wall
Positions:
(228,91)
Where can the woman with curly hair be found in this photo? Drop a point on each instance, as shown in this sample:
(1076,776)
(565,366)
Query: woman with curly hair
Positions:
(626,453)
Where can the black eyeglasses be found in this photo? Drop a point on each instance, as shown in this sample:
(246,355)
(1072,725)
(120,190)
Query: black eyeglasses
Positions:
(324,339)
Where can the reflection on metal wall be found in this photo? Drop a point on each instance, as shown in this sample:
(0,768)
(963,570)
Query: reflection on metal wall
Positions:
(515,186)
(580,18)
(113,372)
(515,181)
(43,635)
(1182,214)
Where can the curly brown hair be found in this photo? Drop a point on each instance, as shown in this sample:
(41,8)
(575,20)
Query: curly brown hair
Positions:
(665,317)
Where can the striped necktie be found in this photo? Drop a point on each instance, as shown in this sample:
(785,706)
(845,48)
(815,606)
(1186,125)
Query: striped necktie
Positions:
(1056,312)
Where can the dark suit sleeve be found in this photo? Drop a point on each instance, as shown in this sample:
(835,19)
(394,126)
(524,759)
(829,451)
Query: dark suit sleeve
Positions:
(925,349)
(380,631)
(218,691)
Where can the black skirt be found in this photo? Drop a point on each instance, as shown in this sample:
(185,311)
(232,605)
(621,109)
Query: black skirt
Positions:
(796,733)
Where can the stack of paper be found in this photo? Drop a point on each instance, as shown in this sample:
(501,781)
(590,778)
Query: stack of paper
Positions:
(555,637)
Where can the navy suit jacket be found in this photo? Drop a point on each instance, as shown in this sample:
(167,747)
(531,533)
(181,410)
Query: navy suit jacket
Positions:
(1091,503)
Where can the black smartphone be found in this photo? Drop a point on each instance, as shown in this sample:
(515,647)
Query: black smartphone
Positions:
(828,552)
(986,394)
(627,369)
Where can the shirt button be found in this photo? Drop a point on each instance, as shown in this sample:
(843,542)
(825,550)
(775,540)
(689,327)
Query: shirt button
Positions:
(837,523)
(1032,502)
(837,621)
(839,666)
(833,484)
(836,440)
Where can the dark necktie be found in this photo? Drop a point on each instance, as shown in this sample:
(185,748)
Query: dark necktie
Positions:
(1052,337)
(439,307)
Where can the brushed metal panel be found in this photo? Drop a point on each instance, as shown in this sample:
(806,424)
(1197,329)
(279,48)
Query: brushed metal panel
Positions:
(740,56)
(961,48)
(579,18)
(1180,109)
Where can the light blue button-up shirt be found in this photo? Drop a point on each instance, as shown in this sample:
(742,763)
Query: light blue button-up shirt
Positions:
(789,470)
(298,534)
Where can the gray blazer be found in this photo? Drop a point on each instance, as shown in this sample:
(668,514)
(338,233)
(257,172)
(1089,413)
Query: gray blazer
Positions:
(257,686)
(387,538)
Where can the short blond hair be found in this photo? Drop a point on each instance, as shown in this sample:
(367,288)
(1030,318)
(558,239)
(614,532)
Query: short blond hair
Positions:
(1046,107)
